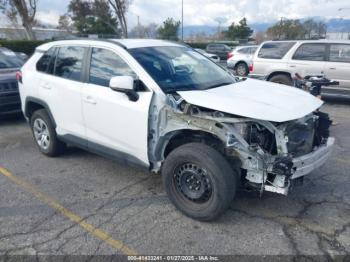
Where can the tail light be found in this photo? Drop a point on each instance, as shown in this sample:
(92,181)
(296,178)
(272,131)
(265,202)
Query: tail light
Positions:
(229,55)
(251,67)
(19,76)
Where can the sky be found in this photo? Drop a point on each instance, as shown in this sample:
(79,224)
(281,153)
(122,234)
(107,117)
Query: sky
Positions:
(210,12)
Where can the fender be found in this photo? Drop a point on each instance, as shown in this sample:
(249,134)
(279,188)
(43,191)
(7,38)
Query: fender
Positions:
(40,102)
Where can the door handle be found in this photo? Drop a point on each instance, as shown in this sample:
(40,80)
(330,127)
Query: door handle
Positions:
(332,68)
(90,100)
(292,66)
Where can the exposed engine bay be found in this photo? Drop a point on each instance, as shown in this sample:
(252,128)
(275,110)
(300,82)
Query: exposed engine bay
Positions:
(270,154)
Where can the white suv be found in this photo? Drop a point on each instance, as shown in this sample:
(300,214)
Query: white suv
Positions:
(278,61)
(169,109)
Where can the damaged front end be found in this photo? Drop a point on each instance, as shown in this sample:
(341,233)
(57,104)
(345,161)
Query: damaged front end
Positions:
(270,155)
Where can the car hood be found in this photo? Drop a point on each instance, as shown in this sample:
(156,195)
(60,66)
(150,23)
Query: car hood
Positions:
(256,99)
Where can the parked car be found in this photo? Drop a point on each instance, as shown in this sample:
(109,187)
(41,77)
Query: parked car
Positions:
(22,55)
(240,59)
(220,50)
(213,57)
(278,61)
(162,106)
(10,102)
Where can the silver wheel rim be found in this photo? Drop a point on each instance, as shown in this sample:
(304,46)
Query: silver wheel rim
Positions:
(41,133)
(241,70)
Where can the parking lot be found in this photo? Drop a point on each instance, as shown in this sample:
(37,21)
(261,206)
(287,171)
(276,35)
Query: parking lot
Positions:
(83,204)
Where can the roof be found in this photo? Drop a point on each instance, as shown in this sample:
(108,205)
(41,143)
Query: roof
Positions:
(126,43)
(136,43)
(314,41)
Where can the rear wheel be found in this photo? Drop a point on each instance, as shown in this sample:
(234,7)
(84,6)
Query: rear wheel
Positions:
(282,79)
(199,181)
(242,69)
(45,135)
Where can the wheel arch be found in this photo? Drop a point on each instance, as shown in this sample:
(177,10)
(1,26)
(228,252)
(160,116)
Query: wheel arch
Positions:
(33,104)
(279,73)
(240,62)
(174,139)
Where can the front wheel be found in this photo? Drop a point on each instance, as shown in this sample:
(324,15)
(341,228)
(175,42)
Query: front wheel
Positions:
(199,181)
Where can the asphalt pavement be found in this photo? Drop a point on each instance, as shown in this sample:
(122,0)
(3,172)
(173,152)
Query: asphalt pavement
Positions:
(83,204)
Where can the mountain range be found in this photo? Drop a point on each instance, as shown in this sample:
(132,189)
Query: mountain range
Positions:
(333,25)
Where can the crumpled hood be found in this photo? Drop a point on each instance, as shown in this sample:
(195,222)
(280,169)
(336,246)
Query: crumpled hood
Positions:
(256,99)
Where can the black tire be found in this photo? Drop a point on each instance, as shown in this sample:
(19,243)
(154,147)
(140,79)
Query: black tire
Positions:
(281,79)
(54,146)
(212,168)
(241,69)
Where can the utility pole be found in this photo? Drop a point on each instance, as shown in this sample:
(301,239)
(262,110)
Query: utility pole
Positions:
(182,20)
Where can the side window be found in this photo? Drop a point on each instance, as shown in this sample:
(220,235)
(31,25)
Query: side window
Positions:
(44,62)
(275,50)
(106,64)
(245,50)
(339,53)
(310,52)
(69,62)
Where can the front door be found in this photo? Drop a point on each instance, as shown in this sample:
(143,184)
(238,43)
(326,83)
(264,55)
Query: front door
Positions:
(114,124)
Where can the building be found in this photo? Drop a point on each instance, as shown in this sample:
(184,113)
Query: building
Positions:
(12,33)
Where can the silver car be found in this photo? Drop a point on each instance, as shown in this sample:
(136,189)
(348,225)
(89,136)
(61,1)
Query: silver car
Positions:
(278,61)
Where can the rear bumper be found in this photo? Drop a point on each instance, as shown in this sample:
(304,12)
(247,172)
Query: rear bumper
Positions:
(307,163)
(10,103)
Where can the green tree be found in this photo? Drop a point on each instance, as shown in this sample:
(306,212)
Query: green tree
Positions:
(287,29)
(93,17)
(169,29)
(239,31)
(314,28)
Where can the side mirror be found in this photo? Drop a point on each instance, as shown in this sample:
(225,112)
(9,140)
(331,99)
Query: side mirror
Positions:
(124,84)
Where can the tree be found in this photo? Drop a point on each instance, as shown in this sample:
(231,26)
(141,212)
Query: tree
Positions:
(65,23)
(294,29)
(169,29)
(287,29)
(93,17)
(314,29)
(239,31)
(23,11)
(120,7)
(148,31)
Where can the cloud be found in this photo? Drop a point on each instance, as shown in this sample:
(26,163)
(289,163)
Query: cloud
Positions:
(205,12)
(49,17)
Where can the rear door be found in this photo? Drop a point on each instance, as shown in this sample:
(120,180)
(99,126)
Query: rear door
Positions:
(60,87)
(338,64)
(309,59)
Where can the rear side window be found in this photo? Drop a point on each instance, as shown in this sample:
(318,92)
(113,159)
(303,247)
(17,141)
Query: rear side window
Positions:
(275,50)
(339,53)
(45,61)
(106,64)
(310,52)
(245,50)
(69,62)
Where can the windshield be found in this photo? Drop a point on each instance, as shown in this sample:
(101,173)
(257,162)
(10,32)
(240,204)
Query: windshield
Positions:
(178,68)
(9,59)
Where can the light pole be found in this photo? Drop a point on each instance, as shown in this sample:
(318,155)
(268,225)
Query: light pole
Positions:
(182,20)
